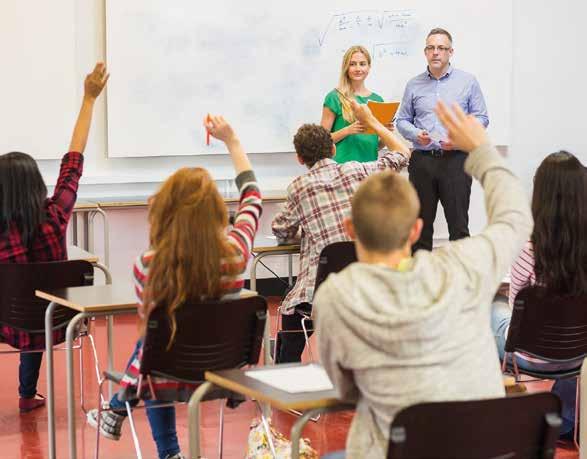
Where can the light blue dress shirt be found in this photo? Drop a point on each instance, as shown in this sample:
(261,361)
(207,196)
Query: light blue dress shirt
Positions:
(424,91)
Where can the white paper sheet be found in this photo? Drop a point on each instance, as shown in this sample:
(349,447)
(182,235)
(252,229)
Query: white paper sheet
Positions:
(303,378)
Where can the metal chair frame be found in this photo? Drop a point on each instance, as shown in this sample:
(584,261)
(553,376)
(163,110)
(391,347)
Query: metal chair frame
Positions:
(156,341)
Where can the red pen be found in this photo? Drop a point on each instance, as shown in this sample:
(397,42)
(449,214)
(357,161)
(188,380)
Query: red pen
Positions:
(207,131)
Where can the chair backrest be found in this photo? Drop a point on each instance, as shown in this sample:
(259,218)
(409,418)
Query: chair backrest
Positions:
(518,427)
(214,335)
(334,258)
(548,326)
(21,309)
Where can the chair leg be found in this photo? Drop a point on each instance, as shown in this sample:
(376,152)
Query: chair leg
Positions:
(81,375)
(577,414)
(194,418)
(100,386)
(304,319)
(135,438)
(221,428)
(267,429)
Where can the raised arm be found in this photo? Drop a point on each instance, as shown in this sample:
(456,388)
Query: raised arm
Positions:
(389,138)
(221,130)
(93,85)
(246,220)
(509,219)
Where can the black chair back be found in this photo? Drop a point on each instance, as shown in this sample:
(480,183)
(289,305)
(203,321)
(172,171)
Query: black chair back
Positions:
(21,309)
(334,258)
(548,326)
(214,335)
(519,427)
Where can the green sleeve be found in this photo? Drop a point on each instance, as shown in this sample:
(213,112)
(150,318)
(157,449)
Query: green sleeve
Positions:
(332,102)
(376,97)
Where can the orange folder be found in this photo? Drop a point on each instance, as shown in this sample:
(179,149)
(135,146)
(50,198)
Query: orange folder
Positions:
(383,111)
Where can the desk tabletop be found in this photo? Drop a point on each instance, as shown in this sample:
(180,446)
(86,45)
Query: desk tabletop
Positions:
(102,298)
(237,381)
(82,205)
(141,201)
(94,298)
(267,244)
(76,253)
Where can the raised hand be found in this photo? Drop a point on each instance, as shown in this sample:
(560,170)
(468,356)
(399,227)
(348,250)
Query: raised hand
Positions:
(363,115)
(219,128)
(465,132)
(95,81)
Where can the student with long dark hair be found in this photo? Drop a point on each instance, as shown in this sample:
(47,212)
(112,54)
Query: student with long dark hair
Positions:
(555,258)
(33,226)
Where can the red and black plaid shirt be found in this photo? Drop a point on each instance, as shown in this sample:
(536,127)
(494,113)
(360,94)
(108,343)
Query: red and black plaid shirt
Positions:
(49,243)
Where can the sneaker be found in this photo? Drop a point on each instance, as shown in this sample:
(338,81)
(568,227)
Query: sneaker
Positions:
(29,404)
(110,423)
(176,456)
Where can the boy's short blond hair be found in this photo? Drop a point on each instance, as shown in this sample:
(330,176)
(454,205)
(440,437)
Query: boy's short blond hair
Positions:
(384,209)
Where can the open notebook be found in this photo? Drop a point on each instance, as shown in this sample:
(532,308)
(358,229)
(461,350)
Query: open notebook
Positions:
(294,379)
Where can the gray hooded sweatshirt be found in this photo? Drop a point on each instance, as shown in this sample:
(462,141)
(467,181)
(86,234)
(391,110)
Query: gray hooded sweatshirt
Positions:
(389,339)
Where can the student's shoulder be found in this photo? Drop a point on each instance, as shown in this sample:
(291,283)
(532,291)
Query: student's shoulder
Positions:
(143,261)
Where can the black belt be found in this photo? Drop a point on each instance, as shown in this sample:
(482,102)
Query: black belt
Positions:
(438,153)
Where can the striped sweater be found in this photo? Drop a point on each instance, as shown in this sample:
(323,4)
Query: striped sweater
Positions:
(522,272)
(241,235)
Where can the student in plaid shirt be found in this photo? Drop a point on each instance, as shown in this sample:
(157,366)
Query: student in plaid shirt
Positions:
(317,203)
(33,226)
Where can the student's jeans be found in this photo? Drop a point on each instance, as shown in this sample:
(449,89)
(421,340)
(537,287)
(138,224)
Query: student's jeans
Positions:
(565,389)
(28,373)
(161,420)
(291,337)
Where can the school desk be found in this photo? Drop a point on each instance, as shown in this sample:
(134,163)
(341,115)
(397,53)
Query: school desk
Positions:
(89,301)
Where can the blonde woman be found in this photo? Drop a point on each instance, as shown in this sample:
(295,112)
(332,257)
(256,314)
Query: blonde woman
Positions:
(352,144)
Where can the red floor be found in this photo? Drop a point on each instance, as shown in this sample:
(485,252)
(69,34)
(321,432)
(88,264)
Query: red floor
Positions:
(25,436)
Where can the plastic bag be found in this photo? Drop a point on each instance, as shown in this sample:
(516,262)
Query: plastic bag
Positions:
(258,445)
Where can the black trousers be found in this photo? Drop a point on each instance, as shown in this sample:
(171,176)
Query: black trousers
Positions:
(441,178)
(291,340)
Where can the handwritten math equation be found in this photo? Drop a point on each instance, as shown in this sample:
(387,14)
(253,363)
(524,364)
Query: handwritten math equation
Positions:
(386,33)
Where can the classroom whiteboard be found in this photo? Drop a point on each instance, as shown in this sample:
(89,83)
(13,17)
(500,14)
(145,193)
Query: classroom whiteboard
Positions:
(39,88)
(267,65)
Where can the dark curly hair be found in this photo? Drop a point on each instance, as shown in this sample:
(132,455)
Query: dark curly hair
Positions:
(313,143)
(559,208)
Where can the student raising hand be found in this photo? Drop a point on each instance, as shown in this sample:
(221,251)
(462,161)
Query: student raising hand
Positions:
(465,132)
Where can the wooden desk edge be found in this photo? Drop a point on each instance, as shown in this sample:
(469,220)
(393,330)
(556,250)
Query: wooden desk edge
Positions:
(260,396)
(125,204)
(89,309)
(293,248)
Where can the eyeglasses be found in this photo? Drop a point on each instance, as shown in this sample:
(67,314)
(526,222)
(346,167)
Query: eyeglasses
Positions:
(441,49)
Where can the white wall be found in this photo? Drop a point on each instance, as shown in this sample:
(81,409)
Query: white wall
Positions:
(549,91)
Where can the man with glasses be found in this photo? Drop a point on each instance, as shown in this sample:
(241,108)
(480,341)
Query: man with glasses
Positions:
(436,168)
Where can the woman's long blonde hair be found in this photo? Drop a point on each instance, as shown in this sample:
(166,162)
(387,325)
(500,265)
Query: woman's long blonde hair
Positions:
(344,84)
(188,219)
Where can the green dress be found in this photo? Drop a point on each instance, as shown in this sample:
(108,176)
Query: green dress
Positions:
(355,147)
